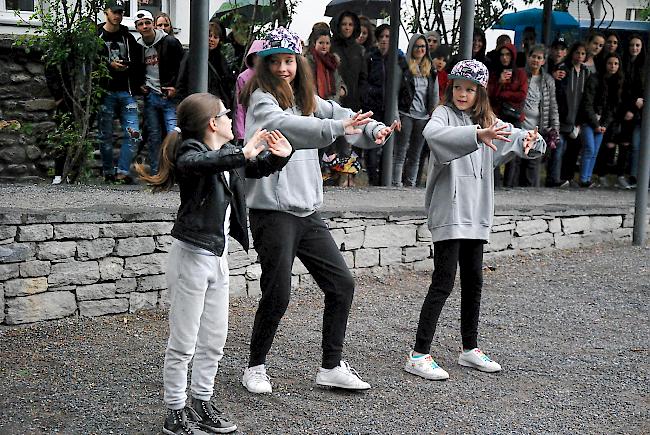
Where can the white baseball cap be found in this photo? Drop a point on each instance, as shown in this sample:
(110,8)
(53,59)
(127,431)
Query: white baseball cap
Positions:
(143,14)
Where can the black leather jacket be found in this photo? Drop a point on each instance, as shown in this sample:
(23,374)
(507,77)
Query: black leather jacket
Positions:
(205,195)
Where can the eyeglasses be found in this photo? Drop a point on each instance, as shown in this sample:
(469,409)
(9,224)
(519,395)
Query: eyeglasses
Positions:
(420,46)
(220,114)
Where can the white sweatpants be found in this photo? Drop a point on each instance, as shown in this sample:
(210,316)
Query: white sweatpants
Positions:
(198,322)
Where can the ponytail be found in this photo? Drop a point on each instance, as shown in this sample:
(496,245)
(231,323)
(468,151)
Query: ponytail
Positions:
(164,180)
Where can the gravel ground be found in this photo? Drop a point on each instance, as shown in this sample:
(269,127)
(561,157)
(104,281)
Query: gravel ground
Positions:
(570,329)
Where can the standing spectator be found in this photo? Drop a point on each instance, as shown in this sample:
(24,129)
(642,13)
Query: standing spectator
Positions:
(366,37)
(374,99)
(163,54)
(440,57)
(557,67)
(595,45)
(569,97)
(540,110)
(418,96)
(164,23)
(479,45)
(433,40)
(239,125)
(600,101)
(126,76)
(283,211)
(634,66)
(493,55)
(507,88)
(528,39)
(612,42)
(613,85)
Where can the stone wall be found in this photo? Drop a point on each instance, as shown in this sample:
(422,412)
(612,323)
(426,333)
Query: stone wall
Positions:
(54,265)
(23,97)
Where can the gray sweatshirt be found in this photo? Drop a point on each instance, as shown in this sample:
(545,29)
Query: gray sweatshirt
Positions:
(459,196)
(298,187)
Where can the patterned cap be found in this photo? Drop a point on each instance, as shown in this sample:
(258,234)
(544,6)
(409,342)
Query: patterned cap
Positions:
(280,40)
(471,70)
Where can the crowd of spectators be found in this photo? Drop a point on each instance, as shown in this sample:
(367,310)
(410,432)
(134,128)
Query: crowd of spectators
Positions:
(580,96)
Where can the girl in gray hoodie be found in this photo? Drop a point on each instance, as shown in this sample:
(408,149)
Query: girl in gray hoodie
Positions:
(284,217)
(466,141)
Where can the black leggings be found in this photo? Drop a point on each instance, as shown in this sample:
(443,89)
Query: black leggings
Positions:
(446,255)
(279,238)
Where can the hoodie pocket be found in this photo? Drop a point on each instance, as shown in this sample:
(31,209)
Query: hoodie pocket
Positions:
(467,201)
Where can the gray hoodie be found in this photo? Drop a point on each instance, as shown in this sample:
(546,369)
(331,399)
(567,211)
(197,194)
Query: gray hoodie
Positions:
(151,60)
(459,196)
(298,188)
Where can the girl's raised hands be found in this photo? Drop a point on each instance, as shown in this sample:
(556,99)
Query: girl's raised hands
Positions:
(530,139)
(255,146)
(359,119)
(385,132)
(278,144)
(495,131)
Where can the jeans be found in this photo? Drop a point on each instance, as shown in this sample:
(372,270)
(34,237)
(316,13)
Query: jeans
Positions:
(590,146)
(407,150)
(279,238)
(155,107)
(124,104)
(198,322)
(554,168)
(468,254)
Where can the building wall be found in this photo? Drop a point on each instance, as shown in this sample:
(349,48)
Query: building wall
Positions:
(580,12)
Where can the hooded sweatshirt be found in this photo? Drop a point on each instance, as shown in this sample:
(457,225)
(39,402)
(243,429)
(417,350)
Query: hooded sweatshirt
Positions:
(239,124)
(459,196)
(418,96)
(121,45)
(513,93)
(162,59)
(353,68)
(298,188)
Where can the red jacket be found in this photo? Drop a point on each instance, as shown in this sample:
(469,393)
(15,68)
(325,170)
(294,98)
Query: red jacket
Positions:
(514,92)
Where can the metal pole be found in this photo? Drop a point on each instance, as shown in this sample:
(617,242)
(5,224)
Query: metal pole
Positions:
(546,29)
(197,61)
(643,173)
(466,28)
(390,96)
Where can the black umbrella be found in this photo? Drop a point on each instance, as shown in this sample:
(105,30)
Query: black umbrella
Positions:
(262,9)
(368,8)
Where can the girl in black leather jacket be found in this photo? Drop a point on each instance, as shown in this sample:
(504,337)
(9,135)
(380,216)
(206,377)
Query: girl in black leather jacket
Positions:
(199,157)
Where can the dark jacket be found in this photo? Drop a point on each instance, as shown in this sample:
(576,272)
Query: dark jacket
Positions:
(513,93)
(373,98)
(170,55)
(353,69)
(134,75)
(601,97)
(407,82)
(634,84)
(568,92)
(205,195)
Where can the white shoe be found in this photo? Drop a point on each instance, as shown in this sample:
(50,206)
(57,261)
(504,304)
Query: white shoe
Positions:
(57,180)
(256,380)
(622,183)
(476,359)
(425,367)
(341,376)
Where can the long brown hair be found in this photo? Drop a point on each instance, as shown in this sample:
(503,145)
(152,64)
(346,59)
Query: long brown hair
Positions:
(481,112)
(423,67)
(193,114)
(301,92)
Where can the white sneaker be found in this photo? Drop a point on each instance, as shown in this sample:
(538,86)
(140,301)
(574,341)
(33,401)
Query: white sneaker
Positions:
(57,180)
(476,359)
(256,380)
(425,367)
(622,183)
(341,376)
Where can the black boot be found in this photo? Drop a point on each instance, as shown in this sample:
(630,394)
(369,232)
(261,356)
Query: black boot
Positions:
(178,422)
(210,418)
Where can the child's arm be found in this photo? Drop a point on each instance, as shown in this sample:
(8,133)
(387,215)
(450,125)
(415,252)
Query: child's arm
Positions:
(527,144)
(448,143)
(271,160)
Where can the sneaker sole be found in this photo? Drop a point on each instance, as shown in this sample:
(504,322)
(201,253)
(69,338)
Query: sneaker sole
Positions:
(412,371)
(343,387)
(477,367)
(256,392)
(215,430)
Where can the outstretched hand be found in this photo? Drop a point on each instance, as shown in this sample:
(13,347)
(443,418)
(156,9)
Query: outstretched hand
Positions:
(359,119)
(530,139)
(278,144)
(495,131)
(383,134)
(254,146)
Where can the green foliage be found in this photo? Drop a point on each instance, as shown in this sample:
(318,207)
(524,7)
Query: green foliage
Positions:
(66,38)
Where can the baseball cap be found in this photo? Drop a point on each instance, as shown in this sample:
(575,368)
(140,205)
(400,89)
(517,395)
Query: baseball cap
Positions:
(559,42)
(143,14)
(280,40)
(471,70)
(115,5)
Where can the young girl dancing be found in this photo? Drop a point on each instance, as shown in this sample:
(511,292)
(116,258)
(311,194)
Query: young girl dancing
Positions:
(199,157)
(284,217)
(466,141)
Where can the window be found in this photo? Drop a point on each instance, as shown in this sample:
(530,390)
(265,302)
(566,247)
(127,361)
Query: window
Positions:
(153,6)
(633,14)
(17,5)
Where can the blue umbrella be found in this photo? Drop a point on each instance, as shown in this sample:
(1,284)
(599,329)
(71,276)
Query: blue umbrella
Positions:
(518,21)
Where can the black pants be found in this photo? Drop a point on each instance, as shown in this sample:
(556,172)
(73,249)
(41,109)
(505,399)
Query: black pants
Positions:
(468,254)
(279,238)
(608,162)
(570,159)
